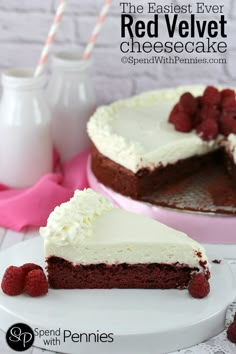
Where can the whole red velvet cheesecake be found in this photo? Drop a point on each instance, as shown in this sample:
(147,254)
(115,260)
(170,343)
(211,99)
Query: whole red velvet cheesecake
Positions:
(90,244)
(160,137)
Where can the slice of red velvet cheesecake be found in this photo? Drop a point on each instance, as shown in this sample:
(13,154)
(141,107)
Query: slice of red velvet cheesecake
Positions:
(91,244)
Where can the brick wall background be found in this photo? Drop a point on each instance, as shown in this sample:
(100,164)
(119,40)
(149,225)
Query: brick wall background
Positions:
(24,25)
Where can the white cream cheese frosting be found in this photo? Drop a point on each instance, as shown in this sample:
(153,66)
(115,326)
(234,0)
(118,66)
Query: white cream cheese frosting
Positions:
(135,133)
(88,230)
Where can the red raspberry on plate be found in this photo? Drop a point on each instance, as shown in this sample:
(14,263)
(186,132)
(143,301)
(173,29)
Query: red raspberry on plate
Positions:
(173,112)
(211,96)
(36,283)
(13,281)
(188,103)
(231,332)
(199,286)
(227,93)
(182,122)
(208,129)
(27,267)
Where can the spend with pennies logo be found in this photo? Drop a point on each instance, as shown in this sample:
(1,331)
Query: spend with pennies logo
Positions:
(20,337)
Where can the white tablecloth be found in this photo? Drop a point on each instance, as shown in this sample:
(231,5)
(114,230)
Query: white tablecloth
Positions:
(216,345)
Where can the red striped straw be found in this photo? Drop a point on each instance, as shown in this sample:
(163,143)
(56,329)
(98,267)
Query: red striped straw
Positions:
(51,37)
(97,29)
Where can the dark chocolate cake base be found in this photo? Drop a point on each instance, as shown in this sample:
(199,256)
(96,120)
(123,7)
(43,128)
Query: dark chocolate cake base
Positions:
(64,275)
(145,181)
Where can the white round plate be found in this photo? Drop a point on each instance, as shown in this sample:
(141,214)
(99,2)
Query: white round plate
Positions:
(143,321)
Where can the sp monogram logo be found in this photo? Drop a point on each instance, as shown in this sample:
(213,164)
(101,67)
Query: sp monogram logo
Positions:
(20,337)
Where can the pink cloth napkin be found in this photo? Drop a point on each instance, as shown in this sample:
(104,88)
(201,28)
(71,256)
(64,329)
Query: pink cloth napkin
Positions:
(31,206)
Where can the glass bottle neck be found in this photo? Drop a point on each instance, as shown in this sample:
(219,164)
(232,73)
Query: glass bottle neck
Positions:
(70,63)
(22,81)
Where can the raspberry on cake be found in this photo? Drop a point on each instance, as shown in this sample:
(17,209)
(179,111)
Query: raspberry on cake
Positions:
(182,122)
(214,113)
(208,129)
(188,103)
(211,96)
(152,140)
(91,244)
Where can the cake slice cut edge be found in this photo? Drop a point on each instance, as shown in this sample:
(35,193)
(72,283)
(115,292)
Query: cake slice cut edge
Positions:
(91,244)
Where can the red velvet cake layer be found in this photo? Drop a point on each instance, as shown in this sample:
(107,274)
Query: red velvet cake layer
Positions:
(145,181)
(64,275)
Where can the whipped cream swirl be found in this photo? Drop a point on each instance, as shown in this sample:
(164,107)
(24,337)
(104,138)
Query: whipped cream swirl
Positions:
(75,218)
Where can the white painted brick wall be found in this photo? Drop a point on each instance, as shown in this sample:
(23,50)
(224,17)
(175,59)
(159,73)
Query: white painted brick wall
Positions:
(24,25)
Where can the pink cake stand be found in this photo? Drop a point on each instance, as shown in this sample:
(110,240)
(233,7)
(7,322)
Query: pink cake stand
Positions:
(203,227)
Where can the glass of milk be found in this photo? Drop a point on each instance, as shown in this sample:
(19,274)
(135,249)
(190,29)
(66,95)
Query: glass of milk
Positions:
(26,149)
(72,101)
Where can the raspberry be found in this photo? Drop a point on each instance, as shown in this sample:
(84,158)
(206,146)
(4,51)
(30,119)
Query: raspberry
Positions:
(228,104)
(173,112)
(231,332)
(227,93)
(199,286)
(226,124)
(182,122)
(234,127)
(27,267)
(209,112)
(211,96)
(199,100)
(13,281)
(196,120)
(188,104)
(208,129)
(36,283)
